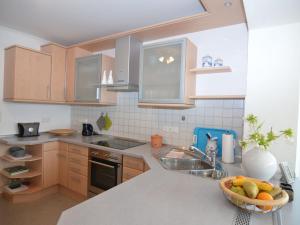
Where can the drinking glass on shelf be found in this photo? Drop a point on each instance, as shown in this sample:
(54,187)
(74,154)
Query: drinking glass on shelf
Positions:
(207,61)
(218,62)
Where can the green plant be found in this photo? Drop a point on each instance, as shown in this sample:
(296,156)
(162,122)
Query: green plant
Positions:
(260,139)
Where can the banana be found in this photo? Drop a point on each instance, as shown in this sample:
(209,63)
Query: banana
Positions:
(264,186)
(238,181)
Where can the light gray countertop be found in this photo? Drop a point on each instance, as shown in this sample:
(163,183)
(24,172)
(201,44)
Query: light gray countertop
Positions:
(156,197)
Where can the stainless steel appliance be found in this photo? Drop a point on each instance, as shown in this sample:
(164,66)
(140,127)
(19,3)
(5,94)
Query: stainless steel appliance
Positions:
(28,129)
(119,143)
(105,171)
(126,65)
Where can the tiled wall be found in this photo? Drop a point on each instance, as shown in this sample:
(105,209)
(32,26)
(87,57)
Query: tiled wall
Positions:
(140,123)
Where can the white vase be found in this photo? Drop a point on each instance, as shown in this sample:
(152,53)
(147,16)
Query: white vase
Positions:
(260,164)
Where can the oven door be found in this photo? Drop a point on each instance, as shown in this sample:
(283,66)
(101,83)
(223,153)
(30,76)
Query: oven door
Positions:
(103,175)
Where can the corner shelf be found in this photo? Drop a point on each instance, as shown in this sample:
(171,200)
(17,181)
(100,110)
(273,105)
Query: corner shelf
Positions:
(8,159)
(31,189)
(217,97)
(208,70)
(29,174)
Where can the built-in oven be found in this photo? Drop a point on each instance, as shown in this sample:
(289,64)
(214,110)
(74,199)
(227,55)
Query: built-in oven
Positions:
(105,171)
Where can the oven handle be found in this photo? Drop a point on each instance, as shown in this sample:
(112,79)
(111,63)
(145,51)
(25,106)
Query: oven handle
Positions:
(102,164)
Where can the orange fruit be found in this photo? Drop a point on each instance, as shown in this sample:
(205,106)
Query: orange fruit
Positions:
(239,177)
(264,196)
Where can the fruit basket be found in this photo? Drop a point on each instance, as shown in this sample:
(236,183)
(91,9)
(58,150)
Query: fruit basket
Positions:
(265,202)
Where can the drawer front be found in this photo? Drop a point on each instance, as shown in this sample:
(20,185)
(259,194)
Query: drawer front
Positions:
(63,147)
(133,163)
(129,173)
(78,159)
(62,155)
(78,150)
(51,146)
(78,169)
(77,183)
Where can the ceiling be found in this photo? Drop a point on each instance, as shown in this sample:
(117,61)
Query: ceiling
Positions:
(71,21)
(271,12)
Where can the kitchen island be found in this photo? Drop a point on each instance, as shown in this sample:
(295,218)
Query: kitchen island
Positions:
(156,197)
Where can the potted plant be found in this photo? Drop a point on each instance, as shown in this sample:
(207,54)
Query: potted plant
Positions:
(258,161)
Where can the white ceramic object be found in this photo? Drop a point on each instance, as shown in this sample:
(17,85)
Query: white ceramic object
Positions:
(104,78)
(259,164)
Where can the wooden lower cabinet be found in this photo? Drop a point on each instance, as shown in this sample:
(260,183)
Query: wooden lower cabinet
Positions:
(63,164)
(50,164)
(77,183)
(133,167)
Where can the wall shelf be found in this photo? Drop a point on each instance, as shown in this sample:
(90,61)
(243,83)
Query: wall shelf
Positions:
(165,106)
(217,97)
(208,70)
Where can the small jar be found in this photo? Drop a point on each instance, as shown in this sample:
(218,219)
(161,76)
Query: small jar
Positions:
(156,141)
(207,61)
(218,62)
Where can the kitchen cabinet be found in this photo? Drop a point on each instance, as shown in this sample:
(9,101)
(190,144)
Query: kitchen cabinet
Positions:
(165,76)
(89,74)
(72,54)
(132,167)
(27,74)
(50,164)
(78,169)
(63,164)
(58,71)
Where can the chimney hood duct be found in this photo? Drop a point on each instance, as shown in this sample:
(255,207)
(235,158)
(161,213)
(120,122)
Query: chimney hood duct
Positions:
(127,59)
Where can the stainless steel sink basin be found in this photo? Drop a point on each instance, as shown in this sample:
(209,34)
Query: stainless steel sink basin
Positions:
(194,166)
(184,164)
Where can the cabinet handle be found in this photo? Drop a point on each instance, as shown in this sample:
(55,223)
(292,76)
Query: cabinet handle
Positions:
(76,179)
(48,91)
(74,160)
(97,93)
(75,170)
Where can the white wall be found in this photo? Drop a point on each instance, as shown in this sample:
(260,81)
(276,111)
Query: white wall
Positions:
(273,82)
(50,116)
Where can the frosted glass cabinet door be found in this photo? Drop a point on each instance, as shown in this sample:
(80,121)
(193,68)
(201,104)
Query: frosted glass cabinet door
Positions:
(162,73)
(87,84)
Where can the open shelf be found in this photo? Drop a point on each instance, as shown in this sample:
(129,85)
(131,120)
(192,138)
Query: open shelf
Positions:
(31,189)
(32,159)
(207,70)
(29,174)
(217,97)
(165,106)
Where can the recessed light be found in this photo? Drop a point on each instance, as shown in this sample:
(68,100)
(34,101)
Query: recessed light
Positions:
(161,59)
(227,3)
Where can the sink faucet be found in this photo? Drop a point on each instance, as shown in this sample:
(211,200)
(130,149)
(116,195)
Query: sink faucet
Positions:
(211,157)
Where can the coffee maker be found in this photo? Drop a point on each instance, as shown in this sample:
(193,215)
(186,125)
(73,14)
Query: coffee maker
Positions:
(87,129)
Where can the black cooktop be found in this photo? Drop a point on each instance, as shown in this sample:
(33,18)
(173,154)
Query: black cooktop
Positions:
(119,143)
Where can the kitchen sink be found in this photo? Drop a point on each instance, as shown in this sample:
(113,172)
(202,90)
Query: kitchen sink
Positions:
(193,165)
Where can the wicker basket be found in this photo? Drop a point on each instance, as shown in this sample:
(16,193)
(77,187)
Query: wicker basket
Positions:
(252,204)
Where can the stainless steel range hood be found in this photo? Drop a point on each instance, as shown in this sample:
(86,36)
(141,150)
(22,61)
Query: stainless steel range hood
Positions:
(126,65)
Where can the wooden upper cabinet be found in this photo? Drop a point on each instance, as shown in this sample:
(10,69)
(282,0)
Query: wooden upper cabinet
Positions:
(27,74)
(58,73)
(165,76)
(72,54)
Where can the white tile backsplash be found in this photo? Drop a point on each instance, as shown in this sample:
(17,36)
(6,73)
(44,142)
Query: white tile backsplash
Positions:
(176,126)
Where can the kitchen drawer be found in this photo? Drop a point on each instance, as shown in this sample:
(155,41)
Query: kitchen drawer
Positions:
(78,159)
(51,146)
(133,163)
(62,154)
(129,173)
(78,169)
(77,183)
(78,150)
(63,146)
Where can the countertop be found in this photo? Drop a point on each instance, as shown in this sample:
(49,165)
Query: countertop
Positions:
(156,197)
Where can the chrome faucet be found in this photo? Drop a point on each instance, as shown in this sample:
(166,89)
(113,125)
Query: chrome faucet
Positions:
(211,158)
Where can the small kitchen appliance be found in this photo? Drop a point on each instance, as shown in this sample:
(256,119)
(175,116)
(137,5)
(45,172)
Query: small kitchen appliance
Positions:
(87,129)
(28,129)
